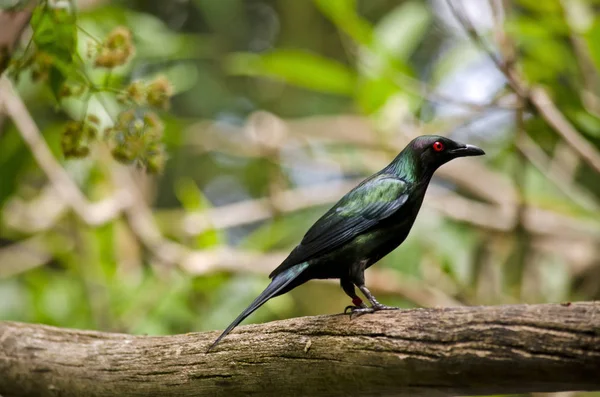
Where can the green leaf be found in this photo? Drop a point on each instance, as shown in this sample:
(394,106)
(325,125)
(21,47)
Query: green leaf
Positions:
(189,195)
(282,232)
(374,93)
(343,14)
(399,33)
(56,79)
(55,34)
(54,31)
(593,41)
(588,123)
(541,6)
(396,37)
(192,199)
(299,68)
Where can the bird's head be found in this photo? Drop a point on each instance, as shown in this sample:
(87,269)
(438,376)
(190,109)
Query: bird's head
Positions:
(424,154)
(433,150)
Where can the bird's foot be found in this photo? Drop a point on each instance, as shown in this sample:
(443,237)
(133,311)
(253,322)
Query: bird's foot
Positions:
(379,306)
(358,304)
(356,311)
(351,308)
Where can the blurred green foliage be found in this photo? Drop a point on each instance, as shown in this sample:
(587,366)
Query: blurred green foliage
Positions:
(329,70)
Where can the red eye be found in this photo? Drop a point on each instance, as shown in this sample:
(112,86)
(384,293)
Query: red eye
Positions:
(438,146)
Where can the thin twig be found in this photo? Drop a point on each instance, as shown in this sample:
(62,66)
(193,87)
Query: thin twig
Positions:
(476,38)
(555,173)
(537,96)
(541,100)
(23,256)
(591,80)
(91,213)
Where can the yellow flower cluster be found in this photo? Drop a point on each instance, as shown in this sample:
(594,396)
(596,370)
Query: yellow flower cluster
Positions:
(115,50)
(136,139)
(156,93)
(40,66)
(78,135)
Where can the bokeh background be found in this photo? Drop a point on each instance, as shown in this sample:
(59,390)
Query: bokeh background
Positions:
(279,108)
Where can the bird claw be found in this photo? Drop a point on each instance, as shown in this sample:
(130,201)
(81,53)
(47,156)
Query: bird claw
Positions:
(356,311)
(352,308)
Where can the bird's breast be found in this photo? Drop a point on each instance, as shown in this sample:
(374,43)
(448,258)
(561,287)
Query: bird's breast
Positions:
(388,235)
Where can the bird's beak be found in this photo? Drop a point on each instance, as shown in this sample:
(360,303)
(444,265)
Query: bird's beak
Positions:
(467,150)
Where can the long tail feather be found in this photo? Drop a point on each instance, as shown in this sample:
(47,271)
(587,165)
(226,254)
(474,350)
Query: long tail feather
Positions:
(277,284)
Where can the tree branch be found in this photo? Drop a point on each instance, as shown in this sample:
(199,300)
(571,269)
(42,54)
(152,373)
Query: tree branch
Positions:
(553,116)
(433,352)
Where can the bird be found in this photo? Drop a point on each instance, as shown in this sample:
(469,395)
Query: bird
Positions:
(365,225)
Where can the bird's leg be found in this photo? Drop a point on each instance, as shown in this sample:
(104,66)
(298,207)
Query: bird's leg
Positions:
(348,288)
(375,305)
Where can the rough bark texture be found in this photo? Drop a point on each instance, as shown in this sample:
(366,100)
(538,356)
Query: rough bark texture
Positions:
(465,351)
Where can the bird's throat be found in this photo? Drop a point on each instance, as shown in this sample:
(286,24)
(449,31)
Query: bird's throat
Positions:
(408,167)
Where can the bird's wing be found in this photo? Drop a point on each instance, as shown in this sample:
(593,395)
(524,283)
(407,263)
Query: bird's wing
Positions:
(362,208)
